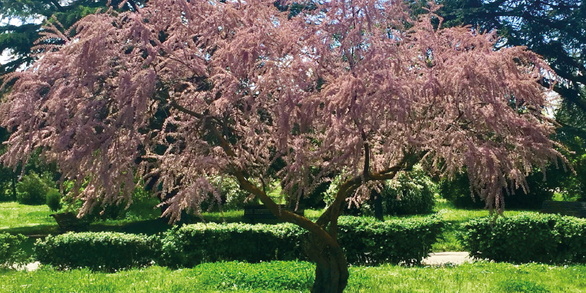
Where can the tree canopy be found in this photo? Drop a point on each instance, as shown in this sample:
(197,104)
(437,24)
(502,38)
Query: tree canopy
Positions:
(179,91)
(556,30)
(552,28)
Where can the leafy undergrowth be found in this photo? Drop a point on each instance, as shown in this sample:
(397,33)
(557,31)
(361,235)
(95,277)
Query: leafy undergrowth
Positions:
(298,277)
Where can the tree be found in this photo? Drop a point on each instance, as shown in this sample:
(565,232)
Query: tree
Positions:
(555,30)
(353,88)
(551,28)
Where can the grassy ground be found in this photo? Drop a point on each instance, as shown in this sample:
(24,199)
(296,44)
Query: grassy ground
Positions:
(26,219)
(298,276)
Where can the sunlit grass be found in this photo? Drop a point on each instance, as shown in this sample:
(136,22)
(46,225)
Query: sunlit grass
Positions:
(15,215)
(298,276)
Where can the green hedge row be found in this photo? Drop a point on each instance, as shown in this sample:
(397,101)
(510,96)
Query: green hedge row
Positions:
(369,242)
(190,245)
(527,238)
(104,251)
(11,251)
(365,241)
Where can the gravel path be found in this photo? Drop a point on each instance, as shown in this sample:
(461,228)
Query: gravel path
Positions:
(449,257)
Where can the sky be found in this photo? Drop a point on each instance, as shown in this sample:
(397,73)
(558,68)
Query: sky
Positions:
(6,55)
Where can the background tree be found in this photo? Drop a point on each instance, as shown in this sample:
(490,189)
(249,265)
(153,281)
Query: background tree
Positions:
(356,88)
(21,22)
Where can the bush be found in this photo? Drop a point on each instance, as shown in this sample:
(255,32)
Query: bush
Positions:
(365,241)
(410,193)
(190,245)
(11,251)
(457,191)
(527,238)
(32,189)
(54,199)
(233,197)
(102,251)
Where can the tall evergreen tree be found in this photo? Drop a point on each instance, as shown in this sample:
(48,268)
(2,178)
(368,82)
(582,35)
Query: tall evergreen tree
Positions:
(21,21)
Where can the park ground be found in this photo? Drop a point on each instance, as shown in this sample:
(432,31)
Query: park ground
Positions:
(289,276)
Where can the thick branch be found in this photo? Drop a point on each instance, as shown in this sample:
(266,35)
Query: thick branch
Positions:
(175,105)
(331,214)
(280,213)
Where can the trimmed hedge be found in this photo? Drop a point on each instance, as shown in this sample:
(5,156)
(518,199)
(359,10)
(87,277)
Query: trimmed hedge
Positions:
(11,252)
(101,251)
(527,238)
(190,245)
(365,241)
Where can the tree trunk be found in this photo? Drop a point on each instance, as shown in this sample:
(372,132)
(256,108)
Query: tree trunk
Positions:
(377,203)
(331,272)
(14,180)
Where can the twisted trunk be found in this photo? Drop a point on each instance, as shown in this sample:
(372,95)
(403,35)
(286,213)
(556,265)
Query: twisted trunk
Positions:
(331,271)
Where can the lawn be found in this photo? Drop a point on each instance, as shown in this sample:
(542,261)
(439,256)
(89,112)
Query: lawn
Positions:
(298,276)
(282,276)
(26,219)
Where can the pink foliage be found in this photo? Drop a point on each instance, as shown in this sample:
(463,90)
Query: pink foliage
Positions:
(350,86)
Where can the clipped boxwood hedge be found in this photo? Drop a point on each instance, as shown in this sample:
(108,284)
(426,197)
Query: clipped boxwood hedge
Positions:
(11,252)
(367,241)
(364,240)
(527,238)
(103,251)
(190,245)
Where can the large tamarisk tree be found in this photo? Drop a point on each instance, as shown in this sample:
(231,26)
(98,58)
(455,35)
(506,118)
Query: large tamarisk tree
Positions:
(179,91)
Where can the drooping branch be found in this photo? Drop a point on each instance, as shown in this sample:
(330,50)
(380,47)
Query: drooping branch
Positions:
(248,186)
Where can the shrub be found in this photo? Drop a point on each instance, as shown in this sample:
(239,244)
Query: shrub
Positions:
(457,191)
(410,193)
(233,197)
(190,245)
(32,189)
(365,241)
(103,251)
(527,238)
(54,199)
(11,251)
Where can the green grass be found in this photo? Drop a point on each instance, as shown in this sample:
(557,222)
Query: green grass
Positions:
(298,277)
(14,215)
